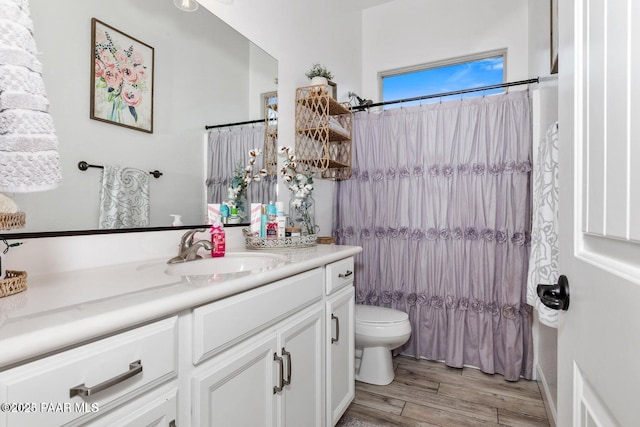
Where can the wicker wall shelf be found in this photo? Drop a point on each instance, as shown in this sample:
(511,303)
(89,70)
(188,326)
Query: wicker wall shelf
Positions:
(323,132)
(326,134)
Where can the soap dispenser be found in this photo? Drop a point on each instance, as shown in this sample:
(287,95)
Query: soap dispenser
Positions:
(218,239)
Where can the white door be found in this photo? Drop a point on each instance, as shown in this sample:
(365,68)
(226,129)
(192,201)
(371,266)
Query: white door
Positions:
(599,139)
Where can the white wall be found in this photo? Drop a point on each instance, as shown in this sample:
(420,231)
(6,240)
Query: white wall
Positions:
(298,34)
(404,33)
(263,72)
(201,77)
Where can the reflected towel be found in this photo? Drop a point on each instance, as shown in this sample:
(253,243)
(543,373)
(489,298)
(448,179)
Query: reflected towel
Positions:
(124,199)
(29,159)
(543,261)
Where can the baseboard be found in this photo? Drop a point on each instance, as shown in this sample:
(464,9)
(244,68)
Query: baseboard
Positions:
(549,406)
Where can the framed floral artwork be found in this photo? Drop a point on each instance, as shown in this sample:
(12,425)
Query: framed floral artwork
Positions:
(121,78)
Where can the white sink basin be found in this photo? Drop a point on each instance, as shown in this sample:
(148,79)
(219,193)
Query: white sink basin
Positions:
(231,263)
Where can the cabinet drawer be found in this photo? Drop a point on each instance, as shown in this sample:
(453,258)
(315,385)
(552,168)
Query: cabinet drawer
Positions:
(224,323)
(339,274)
(108,368)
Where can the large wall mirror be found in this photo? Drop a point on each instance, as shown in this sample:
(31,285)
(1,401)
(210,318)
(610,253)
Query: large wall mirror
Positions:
(205,73)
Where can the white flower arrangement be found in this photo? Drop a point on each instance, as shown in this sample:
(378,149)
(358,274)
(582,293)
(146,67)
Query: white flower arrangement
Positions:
(242,179)
(301,187)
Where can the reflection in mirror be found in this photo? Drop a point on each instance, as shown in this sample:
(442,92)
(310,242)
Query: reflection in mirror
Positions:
(243,163)
(205,73)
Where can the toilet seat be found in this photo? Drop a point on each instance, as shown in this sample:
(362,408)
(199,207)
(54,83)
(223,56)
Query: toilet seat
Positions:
(373,315)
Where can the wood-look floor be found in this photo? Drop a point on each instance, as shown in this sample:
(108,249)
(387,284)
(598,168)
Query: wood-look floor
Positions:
(426,393)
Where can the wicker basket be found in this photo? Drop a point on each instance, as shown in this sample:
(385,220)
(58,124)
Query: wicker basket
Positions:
(14,282)
(9,221)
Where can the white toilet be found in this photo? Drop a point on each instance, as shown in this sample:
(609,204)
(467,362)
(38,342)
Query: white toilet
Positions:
(378,331)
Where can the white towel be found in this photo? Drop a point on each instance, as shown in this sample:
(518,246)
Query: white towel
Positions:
(124,199)
(543,261)
(29,159)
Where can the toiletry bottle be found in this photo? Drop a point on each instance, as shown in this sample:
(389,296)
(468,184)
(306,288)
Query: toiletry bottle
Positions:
(263,222)
(177,220)
(272,223)
(233,218)
(217,239)
(281,219)
(224,213)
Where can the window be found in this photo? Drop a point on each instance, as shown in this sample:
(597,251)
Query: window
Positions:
(444,76)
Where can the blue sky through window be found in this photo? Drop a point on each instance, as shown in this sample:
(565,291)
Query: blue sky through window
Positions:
(448,78)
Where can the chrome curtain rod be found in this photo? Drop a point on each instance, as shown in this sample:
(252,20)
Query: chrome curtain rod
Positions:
(248,122)
(83,166)
(456,92)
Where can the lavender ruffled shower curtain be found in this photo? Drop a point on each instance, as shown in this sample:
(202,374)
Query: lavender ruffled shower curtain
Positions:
(228,149)
(439,200)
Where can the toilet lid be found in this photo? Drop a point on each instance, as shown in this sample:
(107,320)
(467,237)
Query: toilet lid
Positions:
(373,314)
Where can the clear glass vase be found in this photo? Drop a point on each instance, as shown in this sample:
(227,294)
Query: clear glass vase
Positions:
(239,214)
(302,213)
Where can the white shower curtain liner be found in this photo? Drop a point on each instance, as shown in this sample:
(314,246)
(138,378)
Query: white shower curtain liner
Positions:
(543,262)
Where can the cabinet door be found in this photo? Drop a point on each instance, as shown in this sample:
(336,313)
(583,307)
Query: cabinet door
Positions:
(301,402)
(236,387)
(340,346)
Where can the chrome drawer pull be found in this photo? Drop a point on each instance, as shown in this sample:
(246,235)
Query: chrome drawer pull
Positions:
(81,390)
(278,388)
(337,329)
(286,353)
(347,274)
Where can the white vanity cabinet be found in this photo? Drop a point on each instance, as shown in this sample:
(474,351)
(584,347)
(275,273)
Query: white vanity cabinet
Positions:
(340,344)
(78,386)
(275,349)
(267,367)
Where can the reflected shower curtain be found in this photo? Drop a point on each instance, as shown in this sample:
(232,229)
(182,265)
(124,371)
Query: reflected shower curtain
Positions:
(228,148)
(439,200)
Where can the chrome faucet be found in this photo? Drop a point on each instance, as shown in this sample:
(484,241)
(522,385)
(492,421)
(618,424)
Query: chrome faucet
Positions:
(188,249)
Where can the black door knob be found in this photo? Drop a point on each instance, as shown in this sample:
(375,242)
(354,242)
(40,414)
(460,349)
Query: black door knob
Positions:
(555,296)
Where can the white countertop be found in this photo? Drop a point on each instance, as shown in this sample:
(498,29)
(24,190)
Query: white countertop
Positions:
(64,309)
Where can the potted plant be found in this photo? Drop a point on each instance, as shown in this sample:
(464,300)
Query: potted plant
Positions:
(319,75)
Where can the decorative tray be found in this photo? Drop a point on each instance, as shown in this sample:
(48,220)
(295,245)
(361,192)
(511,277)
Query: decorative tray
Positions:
(261,243)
